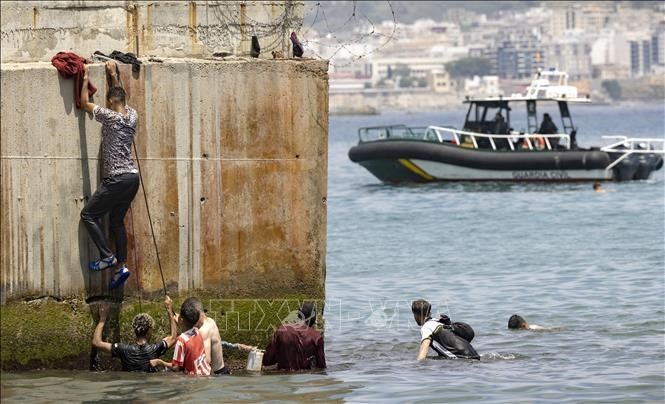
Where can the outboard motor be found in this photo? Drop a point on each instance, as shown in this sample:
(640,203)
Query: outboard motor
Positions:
(627,168)
(646,163)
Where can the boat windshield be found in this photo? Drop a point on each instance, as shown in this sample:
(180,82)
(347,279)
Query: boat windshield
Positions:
(488,117)
(395,132)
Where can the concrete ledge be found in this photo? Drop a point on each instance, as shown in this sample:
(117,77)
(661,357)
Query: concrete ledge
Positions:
(57,334)
(36,30)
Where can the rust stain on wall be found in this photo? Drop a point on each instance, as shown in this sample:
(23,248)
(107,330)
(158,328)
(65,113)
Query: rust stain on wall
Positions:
(233,157)
(34,18)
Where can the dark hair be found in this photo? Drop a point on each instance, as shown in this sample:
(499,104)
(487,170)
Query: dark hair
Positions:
(516,322)
(307,313)
(189,312)
(421,307)
(116,93)
(596,185)
(142,324)
(196,302)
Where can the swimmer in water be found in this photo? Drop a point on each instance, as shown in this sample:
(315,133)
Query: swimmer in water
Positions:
(519,323)
(597,187)
(136,357)
(434,334)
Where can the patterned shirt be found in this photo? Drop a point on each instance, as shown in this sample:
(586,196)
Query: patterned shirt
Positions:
(118,132)
(190,354)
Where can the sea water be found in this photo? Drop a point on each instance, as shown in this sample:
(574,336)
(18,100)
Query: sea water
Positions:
(590,266)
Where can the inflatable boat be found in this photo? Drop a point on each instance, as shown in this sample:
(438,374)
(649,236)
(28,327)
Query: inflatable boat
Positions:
(487,149)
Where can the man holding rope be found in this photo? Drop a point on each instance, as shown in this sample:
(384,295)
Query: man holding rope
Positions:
(120,178)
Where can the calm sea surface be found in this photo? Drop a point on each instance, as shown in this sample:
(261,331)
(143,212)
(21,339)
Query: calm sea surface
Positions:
(591,266)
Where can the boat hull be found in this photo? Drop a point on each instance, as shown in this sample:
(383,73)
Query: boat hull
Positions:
(398,161)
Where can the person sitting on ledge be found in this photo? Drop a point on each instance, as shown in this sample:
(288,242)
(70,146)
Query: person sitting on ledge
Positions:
(136,357)
(519,323)
(434,334)
(297,346)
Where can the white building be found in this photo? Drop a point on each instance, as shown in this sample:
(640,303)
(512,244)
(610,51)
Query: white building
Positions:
(570,53)
(387,67)
(439,81)
(484,86)
(610,55)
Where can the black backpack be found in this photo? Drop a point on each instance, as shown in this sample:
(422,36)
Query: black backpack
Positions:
(462,330)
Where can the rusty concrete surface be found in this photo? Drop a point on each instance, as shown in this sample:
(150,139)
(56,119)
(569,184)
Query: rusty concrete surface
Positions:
(234,161)
(36,30)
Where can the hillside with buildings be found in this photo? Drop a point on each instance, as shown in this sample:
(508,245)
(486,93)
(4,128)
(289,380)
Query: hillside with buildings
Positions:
(614,51)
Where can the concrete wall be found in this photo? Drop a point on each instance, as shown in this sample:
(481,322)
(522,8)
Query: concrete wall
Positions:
(234,159)
(36,30)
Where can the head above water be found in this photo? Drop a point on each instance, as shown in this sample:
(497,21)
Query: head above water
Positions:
(189,312)
(517,322)
(307,313)
(143,324)
(421,310)
(116,98)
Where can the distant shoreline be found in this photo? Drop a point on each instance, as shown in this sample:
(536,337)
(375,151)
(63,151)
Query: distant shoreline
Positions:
(362,103)
(362,111)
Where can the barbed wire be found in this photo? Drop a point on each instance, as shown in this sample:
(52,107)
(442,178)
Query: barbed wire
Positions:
(358,22)
(226,25)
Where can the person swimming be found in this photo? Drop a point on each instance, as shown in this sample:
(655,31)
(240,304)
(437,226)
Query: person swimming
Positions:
(597,187)
(517,322)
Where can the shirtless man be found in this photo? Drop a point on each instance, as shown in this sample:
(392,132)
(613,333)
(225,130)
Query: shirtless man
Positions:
(519,323)
(212,342)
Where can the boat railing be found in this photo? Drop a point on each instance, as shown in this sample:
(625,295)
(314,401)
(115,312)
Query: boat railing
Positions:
(633,145)
(511,139)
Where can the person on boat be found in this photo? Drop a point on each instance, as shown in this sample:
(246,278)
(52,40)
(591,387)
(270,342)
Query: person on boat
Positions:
(212,341)
(500,125)
(297,346)
(136,357)
(500,128)
(434,334)
(120,177)
(547,127)
(516,322)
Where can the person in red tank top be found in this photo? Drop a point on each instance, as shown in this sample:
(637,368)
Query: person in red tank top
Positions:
(189,355)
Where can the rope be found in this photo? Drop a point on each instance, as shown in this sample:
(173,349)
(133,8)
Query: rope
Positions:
(147,207)
(152,229)
(136,263)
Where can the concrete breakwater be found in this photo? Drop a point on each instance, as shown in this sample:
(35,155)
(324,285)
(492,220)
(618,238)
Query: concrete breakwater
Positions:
(234,160)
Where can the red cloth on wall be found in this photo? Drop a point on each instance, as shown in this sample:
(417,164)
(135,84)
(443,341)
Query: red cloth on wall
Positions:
(70,65)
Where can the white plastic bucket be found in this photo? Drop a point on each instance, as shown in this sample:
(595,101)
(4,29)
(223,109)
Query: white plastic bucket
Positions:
(255,360)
